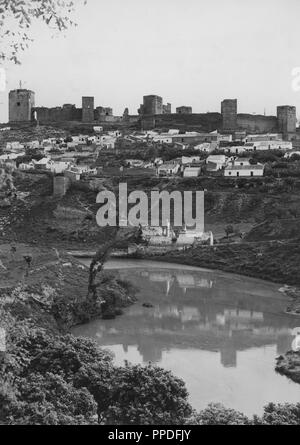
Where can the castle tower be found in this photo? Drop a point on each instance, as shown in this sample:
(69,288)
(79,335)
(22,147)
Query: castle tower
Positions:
(21,103)
(152,104)
(286,116)
(229,114)
(88,109)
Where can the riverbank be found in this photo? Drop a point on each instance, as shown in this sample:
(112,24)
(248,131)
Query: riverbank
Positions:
(50,287)
(275,262)
(289,365)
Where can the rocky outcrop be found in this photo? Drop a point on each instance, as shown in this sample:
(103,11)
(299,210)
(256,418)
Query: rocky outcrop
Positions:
(289,365)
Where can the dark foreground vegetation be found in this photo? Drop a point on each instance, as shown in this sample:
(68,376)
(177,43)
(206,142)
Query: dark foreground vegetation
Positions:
(60,380)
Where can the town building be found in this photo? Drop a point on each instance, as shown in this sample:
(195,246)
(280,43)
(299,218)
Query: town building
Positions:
(220,161)
(235,171)
(168,169)
(205,147)
(192,170)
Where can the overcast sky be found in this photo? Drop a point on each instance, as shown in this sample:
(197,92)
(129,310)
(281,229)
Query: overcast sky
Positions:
(191,52)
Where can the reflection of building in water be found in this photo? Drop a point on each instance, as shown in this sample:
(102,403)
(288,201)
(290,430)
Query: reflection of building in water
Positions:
(160,277)
(215,316)
(184,314)
(189,313)
(228,355)
(284,342)
(149,350)
(166,311)
(184,280)
(242,314)
(189,281)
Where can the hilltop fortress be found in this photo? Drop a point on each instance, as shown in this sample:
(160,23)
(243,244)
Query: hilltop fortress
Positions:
(153,114)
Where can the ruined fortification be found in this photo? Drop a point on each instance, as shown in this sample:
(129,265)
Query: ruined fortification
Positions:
(154,114)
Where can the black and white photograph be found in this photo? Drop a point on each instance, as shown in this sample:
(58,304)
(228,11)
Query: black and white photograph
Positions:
(149,215)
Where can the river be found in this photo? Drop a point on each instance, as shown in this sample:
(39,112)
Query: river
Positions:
(219,332)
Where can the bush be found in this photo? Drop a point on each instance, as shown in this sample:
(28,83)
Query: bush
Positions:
(217,414)
(61,380)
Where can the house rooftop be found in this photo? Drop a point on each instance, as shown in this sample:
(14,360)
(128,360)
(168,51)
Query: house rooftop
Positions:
(245,167)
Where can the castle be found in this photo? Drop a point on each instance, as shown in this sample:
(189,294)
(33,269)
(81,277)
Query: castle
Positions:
(154,114)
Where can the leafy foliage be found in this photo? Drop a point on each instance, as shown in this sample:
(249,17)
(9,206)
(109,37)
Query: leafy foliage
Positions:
(147,395)
(217,414)
(17,16)
(59,380)
(279,414)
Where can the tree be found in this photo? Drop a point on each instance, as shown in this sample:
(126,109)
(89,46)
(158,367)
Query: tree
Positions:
(17,16)
(279,414)
(59,380)
(229,230)
(121,238)
(51,400)
(7,188)
(147,395)
(217,414)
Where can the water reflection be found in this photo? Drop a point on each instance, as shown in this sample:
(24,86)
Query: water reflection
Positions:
(220,333)
(203,310)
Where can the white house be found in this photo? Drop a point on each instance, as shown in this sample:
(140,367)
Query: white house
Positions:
(158,161)
(205,147)
(190,159)
(236,149)
(224,137)
(98,129)
(58,166)
(181,145)
(26,166)
(163,138)
(268,145)
(115,133)
(273,145)
(241,161)
(192,170)
(106,141)
(43,164)
(73,173)
(263,137)
(11,156)
(134,162)
(219,160)
(234,171)
(14,146)
(33,144)
(167,169)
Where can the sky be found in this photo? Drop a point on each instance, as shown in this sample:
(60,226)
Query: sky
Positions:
(191,52)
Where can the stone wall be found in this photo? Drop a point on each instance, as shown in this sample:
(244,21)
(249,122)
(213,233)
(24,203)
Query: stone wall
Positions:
(208,122)
(255,123)
(60,185)
(57,114)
